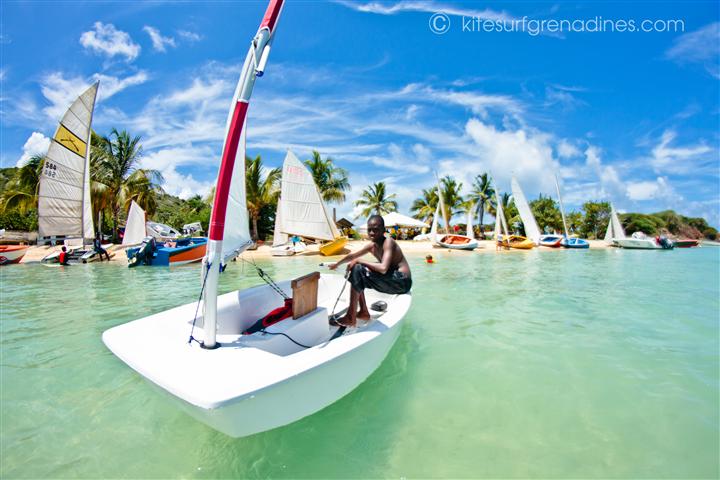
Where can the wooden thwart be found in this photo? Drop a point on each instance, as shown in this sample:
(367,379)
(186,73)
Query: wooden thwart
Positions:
(305,294)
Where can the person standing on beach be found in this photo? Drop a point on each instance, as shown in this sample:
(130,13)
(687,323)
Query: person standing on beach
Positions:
(389,274)
(97,246)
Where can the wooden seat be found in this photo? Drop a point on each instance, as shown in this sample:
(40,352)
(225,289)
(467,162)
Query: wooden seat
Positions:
(305,294)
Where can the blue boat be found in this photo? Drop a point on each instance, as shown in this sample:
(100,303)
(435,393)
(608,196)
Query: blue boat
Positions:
(572,242)
(175,252)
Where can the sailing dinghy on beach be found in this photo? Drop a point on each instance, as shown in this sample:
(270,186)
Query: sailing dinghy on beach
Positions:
(241,384)
(64,208)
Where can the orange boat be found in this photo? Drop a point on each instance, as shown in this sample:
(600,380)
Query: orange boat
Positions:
(12,253)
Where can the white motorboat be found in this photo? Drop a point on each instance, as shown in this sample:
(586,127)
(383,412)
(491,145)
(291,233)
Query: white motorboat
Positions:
(280,370)
(640,241)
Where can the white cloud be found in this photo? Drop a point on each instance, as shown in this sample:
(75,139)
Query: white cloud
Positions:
(610,185)
(110,85)
(189,36)
(677,159)
(565,149)
(106,40)
(701,46)
(159,42)
(61,91)
(526,152)
(660,189)
(422,6)
(36,144)
(168,160)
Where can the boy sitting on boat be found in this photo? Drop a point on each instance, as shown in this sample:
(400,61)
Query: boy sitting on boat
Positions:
(389,274)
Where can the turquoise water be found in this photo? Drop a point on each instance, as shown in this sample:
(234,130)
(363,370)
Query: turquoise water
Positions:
(529,364)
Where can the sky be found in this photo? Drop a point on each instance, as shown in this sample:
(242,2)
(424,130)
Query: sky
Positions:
(620,100)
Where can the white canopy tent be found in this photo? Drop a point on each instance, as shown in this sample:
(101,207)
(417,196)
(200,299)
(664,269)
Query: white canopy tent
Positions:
(394,219)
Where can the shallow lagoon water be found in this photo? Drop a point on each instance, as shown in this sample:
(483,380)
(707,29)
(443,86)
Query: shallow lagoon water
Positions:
(601,363)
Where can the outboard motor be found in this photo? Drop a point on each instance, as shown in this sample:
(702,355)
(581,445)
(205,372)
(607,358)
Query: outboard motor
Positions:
(144,254)
(665,243)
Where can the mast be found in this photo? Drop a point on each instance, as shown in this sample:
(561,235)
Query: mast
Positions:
(562,209)
(442,206)
(86,205)
(253,67)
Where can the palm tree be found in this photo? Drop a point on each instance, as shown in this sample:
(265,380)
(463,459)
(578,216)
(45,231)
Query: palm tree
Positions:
(116,161)
(262,188)
(331,181)
(482,196)
(424,206)
(21,192)
(376,200)
(452,200)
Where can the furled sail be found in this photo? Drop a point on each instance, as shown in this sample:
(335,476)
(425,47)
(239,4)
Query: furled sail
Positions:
(301,208)
(531,228)
(135,225)
(64,196)
(470,232)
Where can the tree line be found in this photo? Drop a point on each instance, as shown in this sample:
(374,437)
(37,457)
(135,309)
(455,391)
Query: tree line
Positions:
(117,179)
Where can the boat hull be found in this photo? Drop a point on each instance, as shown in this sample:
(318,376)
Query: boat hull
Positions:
(457,242)
(575,243)
(254,383)
(334,247)
(12,253)
(552,241)
(686,243)
(184,251)
(639,244)
(517,242)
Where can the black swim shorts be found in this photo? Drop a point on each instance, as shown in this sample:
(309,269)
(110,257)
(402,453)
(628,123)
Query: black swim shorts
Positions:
(393,282)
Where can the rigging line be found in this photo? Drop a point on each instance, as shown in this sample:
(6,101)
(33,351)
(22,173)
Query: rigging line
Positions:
(207,271)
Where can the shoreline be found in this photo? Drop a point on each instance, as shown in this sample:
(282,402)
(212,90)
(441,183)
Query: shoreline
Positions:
(36,253)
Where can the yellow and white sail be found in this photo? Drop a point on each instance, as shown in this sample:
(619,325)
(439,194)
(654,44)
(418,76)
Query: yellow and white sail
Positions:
(64,197)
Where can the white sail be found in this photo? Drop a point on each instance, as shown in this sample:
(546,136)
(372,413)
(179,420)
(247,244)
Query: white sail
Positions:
(64,196)
(615,229)
(562,208)
(301,207)
(470,232)
(531,229)
(279,238)
(237,223)
(433,229)
(499,219)
(135,225)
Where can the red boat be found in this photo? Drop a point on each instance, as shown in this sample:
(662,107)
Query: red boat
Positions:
(12,253)
(686,243)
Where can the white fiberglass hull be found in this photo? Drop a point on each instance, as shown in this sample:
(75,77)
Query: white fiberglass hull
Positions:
(638,243)
(258,382)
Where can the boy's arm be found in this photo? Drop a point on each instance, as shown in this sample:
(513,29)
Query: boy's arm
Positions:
(352,256)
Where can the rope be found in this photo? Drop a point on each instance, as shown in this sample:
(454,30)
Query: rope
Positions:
(267,279)
(202,289)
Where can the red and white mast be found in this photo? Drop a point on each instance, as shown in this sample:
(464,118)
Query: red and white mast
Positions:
(254,67)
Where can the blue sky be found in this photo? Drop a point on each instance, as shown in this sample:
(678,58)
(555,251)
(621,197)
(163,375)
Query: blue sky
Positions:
(632,117)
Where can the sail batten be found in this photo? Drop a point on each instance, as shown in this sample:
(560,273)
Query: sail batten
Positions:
(65,178)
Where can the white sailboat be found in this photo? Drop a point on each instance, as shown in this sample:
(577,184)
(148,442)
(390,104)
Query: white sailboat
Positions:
(531,228)
(64,208)
(301,210)
(568,241)
(615,230)
(245,384)
(135,230)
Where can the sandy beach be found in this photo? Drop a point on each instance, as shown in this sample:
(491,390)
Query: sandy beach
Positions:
(37,253)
